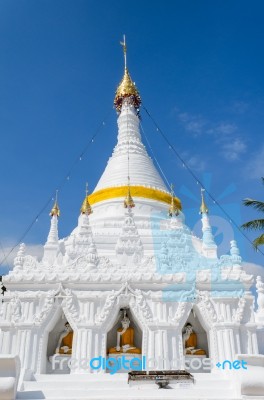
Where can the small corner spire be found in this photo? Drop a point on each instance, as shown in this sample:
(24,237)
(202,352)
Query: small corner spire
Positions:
(129,202)
(86,208)
(173,210)
(55,211)
(203,208)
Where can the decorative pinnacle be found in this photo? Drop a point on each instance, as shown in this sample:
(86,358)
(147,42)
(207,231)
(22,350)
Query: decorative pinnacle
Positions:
(86,208)
(173,210)
(55,211)
(123,44)
(129,202)
(127,88)
(203,208)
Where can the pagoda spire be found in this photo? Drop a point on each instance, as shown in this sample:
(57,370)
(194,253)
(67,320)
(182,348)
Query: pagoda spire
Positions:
(209,246)
(127,89)
(54,213)
(145,180)
(52,244)
(81,242)
(84,230)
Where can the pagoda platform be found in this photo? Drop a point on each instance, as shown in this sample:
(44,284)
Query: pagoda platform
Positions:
(112,387)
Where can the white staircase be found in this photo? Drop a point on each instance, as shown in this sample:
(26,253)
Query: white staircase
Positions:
(113,387)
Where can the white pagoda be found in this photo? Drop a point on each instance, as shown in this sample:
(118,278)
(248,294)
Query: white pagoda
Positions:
(131,280)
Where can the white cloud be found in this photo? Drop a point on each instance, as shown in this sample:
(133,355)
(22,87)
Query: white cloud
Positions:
(253,269)
(194,161)
(198,124)
(192,123)
(234,149)
(224,133)
(34,250)
(255,165)
(239,107)
(223,128)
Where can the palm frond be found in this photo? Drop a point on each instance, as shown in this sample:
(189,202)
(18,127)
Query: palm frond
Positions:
(258,205)
(258,241)
(255,224)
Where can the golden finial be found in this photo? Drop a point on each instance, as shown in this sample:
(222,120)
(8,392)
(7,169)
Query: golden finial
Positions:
(129,202)
(86,208)
(203,208)
(173,210)
(55,211)
(126,88)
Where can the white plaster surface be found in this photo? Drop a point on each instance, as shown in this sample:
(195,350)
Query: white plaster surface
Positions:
(146,262)
(9,375)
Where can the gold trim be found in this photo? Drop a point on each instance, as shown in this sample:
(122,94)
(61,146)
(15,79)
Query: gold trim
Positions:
(203,208)
(55,211)
(136,191)
(126,89)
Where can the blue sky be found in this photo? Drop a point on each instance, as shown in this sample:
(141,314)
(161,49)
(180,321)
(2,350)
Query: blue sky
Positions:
(199,68)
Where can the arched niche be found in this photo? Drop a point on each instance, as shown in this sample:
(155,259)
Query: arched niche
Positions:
(112,333)
(202,339)
(199,329)
(53,331)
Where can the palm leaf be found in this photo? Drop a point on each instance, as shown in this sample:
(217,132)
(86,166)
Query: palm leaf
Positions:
(255,224)
(258,241)
(258,205)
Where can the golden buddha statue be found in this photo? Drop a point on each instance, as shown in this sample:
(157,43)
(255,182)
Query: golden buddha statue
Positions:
(65,341)
(190,342)
(125,339)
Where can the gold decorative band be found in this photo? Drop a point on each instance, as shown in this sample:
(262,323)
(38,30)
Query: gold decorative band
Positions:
(136,191)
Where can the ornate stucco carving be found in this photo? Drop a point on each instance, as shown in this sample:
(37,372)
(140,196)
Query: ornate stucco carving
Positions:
(207,307)
(135,295)
(71,307)
(129,248)
(46,307)
(239,312)
(102,316)
(16,309)
(179,314)
(141,303)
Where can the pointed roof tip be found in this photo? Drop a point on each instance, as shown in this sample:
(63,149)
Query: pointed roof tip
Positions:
(173,209)
(129,202)
(126,88)
(203,209)
(55,211)
(86,207)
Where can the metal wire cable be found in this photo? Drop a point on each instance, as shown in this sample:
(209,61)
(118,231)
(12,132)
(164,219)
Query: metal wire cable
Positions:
(60,186)
(197,179)
(153,155)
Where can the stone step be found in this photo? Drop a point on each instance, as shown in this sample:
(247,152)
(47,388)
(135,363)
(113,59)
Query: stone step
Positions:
(80,385)
(201,380)
(80,377)
(113,387)
(93,384)
(106,394)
